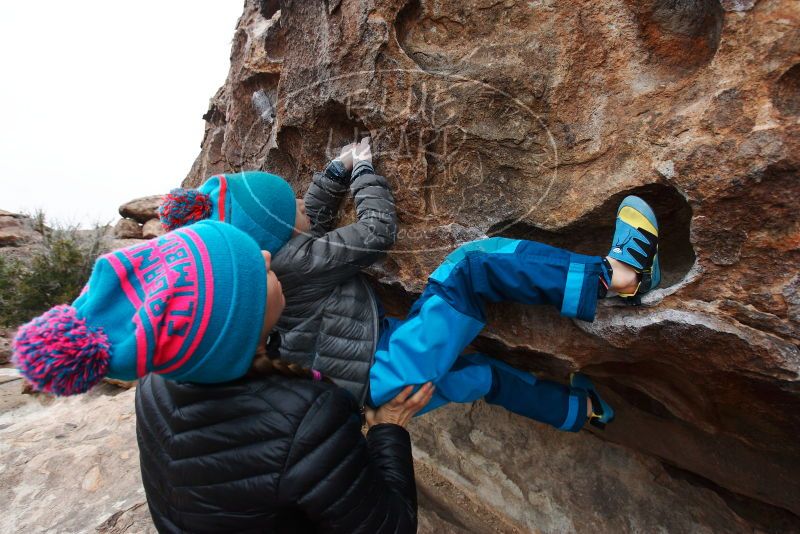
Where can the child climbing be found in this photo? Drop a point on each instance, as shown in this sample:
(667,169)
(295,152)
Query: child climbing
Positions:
(334,323)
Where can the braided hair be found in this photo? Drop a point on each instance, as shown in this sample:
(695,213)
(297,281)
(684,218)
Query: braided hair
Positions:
(264,365)
(267,362)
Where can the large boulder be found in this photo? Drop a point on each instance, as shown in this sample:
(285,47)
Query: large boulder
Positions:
(141,209)
(533,120)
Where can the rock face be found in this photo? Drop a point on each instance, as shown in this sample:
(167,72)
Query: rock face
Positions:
(533,120)
(548,481)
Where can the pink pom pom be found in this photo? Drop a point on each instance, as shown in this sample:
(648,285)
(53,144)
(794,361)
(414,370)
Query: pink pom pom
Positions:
(59,353)
(182,207)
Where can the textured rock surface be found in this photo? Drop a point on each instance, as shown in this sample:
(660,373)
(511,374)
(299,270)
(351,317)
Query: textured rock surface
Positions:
(142,209)
(69,465)
(548,481)
(127,229)
(533,119)
(152,228)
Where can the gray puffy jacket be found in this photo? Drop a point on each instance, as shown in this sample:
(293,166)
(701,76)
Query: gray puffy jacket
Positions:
(330,322)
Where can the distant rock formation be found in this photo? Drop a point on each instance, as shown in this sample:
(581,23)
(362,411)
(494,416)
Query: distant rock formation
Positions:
(139,219)
(17,229)
(141,209)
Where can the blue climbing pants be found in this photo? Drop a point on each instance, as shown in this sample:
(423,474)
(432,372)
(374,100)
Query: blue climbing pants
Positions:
(427,345)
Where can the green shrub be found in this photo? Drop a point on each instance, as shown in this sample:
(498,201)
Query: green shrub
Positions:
(54,274)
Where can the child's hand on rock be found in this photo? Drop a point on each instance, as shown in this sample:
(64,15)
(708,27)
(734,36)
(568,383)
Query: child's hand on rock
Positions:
(363,152)
(346,156)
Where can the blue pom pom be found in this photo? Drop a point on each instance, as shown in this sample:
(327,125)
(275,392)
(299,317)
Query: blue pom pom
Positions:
(182,207)
(59,353)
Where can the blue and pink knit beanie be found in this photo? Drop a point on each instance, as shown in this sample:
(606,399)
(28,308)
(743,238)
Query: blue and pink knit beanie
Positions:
(188,305)
(258,203)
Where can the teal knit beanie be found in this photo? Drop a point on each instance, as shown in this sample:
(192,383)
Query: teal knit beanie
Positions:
(259,203)
(188,305)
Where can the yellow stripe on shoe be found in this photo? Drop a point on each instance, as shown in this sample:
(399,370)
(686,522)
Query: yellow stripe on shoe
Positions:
(635,218)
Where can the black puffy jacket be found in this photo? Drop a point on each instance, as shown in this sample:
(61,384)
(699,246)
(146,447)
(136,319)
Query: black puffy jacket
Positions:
(270,454)
(330,322)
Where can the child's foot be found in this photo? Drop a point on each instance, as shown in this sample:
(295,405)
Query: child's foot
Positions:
(636,244)
(602,413)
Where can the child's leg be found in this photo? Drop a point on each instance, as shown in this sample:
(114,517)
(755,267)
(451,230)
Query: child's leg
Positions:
(476,376)
(450,312)
(467,381)
(513,270)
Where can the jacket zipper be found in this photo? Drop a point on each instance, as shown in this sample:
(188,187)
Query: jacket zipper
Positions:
(375,326)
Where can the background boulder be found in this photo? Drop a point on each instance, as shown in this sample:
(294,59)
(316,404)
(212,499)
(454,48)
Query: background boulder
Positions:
(142,209)
(127,229)
(152,228)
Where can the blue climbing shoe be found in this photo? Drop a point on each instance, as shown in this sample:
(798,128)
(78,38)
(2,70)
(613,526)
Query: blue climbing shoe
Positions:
(602,412)
(636,244)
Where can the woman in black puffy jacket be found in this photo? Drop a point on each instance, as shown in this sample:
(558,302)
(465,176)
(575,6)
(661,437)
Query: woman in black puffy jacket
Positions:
(274,452)
(279,450)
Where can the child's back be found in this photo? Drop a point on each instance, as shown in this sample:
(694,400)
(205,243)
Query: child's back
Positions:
(330,322)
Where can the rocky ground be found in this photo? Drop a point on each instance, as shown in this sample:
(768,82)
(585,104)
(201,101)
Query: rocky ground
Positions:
(71,465)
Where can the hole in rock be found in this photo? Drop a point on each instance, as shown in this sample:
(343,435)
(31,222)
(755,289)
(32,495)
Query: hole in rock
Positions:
(786,92)
(682,34)
(275,39)
(407,28)
(592,233)
(680,370)
(267,8)
(639,383)
(641,400)
(334,127)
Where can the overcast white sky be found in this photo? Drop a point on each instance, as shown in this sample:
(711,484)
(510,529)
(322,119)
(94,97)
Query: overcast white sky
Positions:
(102,101)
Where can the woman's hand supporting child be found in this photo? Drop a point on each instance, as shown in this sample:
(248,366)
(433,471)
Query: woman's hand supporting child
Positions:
(402,408)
